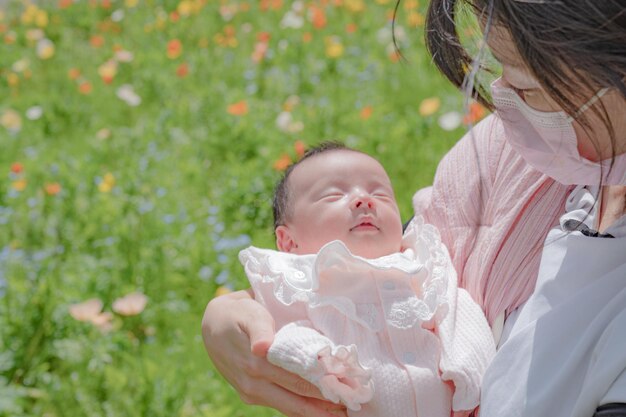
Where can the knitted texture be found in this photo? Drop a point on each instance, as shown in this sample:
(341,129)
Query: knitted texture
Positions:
(493,211)
(397,324)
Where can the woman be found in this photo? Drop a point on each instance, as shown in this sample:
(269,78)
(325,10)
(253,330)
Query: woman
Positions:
(531,205)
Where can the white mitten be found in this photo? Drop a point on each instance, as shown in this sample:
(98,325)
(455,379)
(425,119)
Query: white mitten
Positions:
(335,370)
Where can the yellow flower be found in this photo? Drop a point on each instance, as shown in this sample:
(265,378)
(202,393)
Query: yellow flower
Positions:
(29,14)
(355,6)
(131,3)
(222,291)
(383,1)
(108,71)
(131,304)
(185,8)
(13,79)
(107,183)
(41,18)
(334,47)
(411,4)
(429,106)
(45,49)
(415,19)
(11,120)
(19,184)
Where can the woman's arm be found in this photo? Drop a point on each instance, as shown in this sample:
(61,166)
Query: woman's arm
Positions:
(237,333)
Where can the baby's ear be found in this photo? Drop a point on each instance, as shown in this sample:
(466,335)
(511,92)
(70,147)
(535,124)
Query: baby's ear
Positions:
(284,239)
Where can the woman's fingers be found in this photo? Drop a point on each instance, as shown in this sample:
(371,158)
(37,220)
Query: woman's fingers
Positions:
(290,404)
(234,326)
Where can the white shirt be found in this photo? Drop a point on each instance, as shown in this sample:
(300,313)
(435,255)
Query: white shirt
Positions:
(563,353)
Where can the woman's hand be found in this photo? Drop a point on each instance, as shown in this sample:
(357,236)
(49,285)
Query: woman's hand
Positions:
(237,333)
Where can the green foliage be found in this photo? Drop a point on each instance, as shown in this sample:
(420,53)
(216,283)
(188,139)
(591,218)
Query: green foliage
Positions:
(102,195)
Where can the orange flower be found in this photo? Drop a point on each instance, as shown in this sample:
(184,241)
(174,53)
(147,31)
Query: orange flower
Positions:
(351,27)
(174,49)
(429,106)
(52,188)
(106,4)
(300,148)
(96,41)
(307,37)
(130,305)
(394,56)
(182,70)
(73,73)
(17,168)
(282,163)
(174,16)
(318,18)
(273,4)
(239,108)
(64,4)
(85,87)
(263,37)
(475,113)
(366,112)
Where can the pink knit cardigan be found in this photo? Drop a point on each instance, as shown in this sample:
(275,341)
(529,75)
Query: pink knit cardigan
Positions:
(493,212)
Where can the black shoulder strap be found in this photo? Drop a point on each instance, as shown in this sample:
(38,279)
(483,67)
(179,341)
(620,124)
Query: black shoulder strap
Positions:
(405,225)
(611,410)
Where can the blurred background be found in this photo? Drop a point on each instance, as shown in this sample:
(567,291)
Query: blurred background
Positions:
(140,141)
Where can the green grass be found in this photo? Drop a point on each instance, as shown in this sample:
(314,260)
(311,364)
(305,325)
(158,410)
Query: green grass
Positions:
(191,183)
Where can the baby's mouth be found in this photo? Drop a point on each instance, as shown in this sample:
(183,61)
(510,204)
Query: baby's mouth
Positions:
(365,225)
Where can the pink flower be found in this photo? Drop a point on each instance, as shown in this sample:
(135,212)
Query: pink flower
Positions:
(87,310)
(131,304)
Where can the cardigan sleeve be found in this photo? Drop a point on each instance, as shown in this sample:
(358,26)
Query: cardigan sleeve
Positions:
(455,203)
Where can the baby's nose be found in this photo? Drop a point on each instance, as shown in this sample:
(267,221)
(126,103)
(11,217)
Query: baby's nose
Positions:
(363,202)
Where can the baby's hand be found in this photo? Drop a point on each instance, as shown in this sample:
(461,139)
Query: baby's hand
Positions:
(335,370)
(343,378)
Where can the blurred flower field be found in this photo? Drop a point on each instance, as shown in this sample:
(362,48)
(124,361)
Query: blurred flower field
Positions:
(140,141)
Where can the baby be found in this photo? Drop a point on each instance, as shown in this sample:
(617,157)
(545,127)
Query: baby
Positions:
(367,315)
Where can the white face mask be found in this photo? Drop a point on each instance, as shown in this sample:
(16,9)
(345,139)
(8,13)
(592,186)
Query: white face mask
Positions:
(547,141)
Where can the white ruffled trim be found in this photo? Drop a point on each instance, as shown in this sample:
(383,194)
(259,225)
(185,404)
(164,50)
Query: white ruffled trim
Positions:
(295,278)
(581,206)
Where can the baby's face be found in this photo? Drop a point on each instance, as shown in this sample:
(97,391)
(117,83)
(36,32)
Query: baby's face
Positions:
(341,195)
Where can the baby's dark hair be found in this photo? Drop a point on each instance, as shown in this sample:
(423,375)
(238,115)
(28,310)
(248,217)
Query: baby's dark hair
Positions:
(280,203)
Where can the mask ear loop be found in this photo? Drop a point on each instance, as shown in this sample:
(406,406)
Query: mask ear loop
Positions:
(588,104)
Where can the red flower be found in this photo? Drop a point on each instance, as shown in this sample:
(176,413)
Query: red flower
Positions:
(17,168)
(174,48)
(238,109)
(182,70)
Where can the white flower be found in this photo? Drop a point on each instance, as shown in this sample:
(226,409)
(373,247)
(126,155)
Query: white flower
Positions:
(124,56)
(117,15)
(127,94)
(450,120)
(21,65)
(34,113)
(292,20)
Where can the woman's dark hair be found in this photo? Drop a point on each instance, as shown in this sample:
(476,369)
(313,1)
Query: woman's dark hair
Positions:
(571,47)
(280,203)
